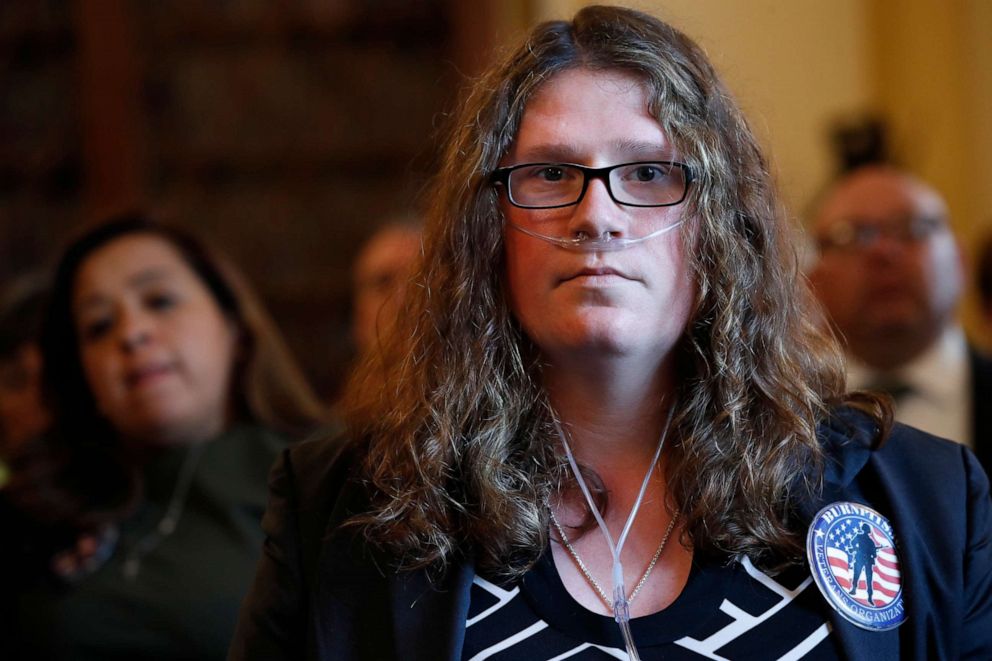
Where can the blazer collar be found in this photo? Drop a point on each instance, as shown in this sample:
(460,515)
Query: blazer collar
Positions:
(848,438)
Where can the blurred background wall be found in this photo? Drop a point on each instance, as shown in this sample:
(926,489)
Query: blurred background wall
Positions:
(286,130)
(283,131)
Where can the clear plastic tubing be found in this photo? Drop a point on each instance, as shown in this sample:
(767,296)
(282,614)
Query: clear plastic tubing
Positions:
(621,607)
(605,242)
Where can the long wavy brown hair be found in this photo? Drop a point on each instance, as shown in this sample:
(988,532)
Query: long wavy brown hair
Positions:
(461,456)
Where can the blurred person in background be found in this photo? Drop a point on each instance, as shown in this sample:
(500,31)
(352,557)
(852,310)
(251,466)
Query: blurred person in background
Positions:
(382,269)
(890,274)
(23,414)
(133,525)
(610,426)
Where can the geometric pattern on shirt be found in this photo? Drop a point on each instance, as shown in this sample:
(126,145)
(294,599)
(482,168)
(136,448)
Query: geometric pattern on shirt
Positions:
(761,621)
(742,622)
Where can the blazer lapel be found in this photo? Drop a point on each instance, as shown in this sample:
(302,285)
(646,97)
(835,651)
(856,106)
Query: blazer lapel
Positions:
(429,619)
(363,609)
(849,452)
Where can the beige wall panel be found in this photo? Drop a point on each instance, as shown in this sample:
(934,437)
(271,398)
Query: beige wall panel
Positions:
(934,68)
(920,87)
(978,63)
(979,27)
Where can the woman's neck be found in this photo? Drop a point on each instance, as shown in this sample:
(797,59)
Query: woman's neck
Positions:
(613,419)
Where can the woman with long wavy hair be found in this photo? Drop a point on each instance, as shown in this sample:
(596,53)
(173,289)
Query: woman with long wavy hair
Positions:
(609,425)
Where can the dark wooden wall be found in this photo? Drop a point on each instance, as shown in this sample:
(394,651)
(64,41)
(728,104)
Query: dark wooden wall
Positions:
(281,131)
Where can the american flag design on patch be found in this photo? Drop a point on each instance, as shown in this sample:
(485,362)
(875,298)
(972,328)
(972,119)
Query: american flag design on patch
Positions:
(848,540)
(853,558)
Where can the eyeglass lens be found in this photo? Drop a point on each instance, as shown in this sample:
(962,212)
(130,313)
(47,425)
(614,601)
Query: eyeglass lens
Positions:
(547,185)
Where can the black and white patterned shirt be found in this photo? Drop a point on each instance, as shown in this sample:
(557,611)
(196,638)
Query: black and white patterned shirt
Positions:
(724,612)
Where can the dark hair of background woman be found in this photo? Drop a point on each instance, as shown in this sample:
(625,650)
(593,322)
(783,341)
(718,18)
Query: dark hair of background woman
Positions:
(80,475)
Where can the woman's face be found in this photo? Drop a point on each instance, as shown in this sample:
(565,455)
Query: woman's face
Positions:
(156,349)
(631,303)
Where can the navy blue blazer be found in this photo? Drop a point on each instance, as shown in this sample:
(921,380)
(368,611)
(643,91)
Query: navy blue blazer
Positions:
(321,593)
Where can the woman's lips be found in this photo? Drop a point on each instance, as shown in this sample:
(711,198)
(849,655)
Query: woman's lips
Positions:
(597,274)
(148,374)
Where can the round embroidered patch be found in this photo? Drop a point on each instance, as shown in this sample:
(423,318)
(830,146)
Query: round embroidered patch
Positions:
(852,555)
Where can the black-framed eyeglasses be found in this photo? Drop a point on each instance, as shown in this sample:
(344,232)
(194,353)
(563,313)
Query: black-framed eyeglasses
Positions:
(554,185)
(852,235)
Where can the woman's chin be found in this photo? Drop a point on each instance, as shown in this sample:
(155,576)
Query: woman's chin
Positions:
(167,431)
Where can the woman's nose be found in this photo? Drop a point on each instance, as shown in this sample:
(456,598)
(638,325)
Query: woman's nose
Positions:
(134,330)
(597,214)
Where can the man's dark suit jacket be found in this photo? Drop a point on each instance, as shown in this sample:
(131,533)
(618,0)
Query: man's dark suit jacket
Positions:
(321,594)
(981,406)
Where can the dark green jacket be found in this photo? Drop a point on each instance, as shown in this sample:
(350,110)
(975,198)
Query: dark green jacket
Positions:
(184,599)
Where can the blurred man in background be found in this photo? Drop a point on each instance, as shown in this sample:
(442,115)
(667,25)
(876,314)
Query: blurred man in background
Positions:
(890,275)
(381,270)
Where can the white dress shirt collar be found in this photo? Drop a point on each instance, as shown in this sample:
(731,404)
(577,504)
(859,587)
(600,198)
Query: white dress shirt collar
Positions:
(940,399)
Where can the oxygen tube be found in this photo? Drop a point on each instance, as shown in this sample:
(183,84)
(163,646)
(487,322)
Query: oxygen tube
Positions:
(621,606)
(605,242)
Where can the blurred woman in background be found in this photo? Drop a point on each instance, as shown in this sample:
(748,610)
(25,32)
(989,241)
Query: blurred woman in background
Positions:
(136,518)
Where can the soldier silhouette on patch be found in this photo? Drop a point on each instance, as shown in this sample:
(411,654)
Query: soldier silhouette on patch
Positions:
(864,551)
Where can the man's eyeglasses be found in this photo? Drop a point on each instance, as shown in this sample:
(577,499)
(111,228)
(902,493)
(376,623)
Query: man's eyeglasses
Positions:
(854,235)
(554,185)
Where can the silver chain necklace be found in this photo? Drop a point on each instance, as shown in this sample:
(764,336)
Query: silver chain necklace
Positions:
(588,575)
(167,524)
